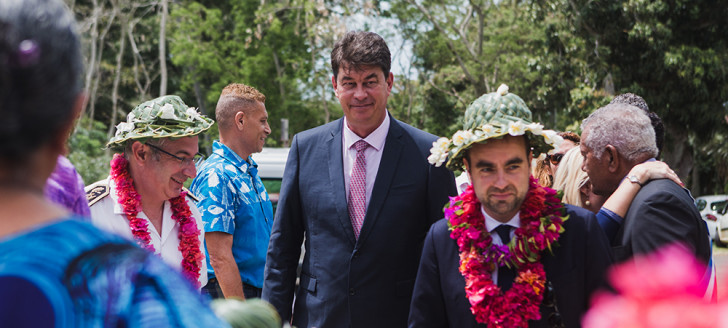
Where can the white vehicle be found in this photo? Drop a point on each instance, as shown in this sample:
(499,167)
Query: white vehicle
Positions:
(709,207)
(271,163)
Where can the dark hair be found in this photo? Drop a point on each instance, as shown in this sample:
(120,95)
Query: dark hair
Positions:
(571,136)
(40,69)
(659,131)
(639,102)
(359,48)
(631,99)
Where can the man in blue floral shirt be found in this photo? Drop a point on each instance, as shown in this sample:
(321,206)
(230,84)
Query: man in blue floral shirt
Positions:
(235,207)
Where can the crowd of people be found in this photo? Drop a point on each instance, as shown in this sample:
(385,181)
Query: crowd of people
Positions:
(529,231)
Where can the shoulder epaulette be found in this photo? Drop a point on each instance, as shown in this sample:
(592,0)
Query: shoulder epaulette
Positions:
(97,191)
(191,195)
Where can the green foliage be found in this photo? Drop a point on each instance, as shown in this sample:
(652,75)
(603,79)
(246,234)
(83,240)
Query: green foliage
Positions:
(222,43)
(87,151)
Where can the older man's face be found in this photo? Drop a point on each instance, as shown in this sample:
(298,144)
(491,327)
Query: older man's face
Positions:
(595,168)
(169,173)
(363,96)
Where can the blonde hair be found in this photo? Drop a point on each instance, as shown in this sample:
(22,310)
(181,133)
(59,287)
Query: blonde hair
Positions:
(541,171)
(570,177)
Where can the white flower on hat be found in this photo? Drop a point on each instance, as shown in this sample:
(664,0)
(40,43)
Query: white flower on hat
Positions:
(516,128)
(551,137)
(535,128)
(167,112)
(441,144)
(124,127)
(488,129)
(192,113)
(502,90)
(439,151)
(461,137)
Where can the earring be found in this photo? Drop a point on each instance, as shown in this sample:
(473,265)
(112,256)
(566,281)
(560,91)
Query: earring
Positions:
(587,203)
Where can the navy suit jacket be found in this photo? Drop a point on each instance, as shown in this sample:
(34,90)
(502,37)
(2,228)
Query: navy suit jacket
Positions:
(345,282)
(660,214)
(576,269)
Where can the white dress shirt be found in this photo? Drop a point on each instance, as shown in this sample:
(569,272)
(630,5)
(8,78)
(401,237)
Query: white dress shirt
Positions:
(491,224)
(372,154)
(108,215)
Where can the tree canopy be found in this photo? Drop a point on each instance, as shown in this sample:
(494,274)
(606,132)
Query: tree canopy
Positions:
(565,58)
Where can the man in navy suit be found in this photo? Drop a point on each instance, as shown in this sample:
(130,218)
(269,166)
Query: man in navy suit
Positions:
(508,253)
(362,193)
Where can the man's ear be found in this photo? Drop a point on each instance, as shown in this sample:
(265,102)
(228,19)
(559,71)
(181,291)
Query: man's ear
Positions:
(612,158)
(466,163)
(140,153)
(334,84)
(240,120)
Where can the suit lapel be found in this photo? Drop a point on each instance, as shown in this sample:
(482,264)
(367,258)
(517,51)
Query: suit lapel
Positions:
(387,166)
(336,176)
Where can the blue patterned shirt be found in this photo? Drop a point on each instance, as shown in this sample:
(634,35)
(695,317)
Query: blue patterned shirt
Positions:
(233,200)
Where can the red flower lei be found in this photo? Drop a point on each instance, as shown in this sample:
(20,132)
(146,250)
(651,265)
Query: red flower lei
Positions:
(130,202)
(542,216)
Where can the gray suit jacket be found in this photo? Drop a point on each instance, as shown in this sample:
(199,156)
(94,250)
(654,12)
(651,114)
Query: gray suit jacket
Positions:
(345,282)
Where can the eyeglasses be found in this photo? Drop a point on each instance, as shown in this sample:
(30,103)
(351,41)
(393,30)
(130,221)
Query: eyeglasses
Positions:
(555,159)
(195,159)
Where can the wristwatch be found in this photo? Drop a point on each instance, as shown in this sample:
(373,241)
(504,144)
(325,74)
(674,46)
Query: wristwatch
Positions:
(634,179)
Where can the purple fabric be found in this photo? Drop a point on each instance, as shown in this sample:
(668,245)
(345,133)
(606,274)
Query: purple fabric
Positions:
(65,187)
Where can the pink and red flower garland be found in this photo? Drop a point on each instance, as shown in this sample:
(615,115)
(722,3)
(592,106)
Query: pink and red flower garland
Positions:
(130,202)
(542,216)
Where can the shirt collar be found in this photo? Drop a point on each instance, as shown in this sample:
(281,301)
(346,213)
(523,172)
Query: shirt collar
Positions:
(491,223)
(229,155)
(375,139)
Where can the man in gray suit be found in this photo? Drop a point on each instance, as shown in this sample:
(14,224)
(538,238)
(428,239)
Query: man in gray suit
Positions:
(361,191)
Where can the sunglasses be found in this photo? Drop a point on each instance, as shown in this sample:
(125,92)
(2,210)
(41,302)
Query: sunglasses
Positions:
(555,159)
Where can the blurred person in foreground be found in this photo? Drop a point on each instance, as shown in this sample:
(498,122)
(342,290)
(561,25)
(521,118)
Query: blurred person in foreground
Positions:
(362,193)
(508,253)
(235,206)
(57,271)
(143,199)
(577,188)
(615,139)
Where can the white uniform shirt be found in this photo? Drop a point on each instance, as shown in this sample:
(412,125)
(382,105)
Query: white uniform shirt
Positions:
(108,215)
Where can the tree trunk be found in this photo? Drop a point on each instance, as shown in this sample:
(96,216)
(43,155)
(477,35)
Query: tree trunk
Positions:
(117,78)
(678,153)
(163,49)
(201,107)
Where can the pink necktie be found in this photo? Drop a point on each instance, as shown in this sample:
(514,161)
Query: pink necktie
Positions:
(358,189)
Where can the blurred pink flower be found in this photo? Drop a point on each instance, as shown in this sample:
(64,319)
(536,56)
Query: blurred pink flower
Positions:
(659,290)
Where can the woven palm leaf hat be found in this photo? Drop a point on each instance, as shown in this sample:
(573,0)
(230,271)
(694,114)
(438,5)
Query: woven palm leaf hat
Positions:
(493,116)
(163,117)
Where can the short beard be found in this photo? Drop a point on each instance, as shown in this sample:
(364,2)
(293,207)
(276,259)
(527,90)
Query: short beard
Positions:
(501,208)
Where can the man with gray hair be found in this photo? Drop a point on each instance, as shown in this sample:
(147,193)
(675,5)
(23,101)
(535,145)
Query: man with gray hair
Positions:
(615,138)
